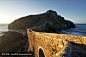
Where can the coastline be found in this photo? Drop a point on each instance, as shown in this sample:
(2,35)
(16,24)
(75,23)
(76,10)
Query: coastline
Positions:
(60,32)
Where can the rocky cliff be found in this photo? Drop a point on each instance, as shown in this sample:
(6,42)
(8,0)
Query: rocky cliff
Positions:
(48,21)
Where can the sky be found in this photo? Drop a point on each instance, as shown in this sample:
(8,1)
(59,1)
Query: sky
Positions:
(74,10)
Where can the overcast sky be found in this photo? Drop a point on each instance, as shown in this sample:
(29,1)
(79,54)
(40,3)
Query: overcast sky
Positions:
(74,10)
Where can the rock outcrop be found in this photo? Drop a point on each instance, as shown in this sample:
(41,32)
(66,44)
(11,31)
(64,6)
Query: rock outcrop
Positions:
(70,24)
(12,42)
(48,21)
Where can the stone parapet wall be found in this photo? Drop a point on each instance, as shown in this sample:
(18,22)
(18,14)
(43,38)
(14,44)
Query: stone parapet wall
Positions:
(51,45)
(72,38)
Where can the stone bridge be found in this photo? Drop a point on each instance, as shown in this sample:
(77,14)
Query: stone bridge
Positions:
(52,44)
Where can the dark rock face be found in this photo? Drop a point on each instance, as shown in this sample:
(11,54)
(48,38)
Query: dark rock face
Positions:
(51,14)
(48,21)
(12,42)
(70,24)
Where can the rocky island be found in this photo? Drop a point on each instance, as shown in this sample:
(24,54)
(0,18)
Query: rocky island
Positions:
(49,22)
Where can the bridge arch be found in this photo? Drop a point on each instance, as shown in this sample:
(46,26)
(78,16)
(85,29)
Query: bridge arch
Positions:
(41,52)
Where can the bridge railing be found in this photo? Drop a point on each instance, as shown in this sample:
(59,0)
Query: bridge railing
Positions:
(71,38)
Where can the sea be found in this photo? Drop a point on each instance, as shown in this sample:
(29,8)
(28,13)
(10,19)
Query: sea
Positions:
(3,28)
(79,30)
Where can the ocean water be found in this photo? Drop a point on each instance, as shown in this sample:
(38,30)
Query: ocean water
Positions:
(79,30)
(3,28)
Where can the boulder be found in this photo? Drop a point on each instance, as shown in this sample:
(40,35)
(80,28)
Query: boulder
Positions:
(48,21)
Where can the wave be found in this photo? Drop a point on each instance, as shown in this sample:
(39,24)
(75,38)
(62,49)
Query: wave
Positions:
(71,33)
